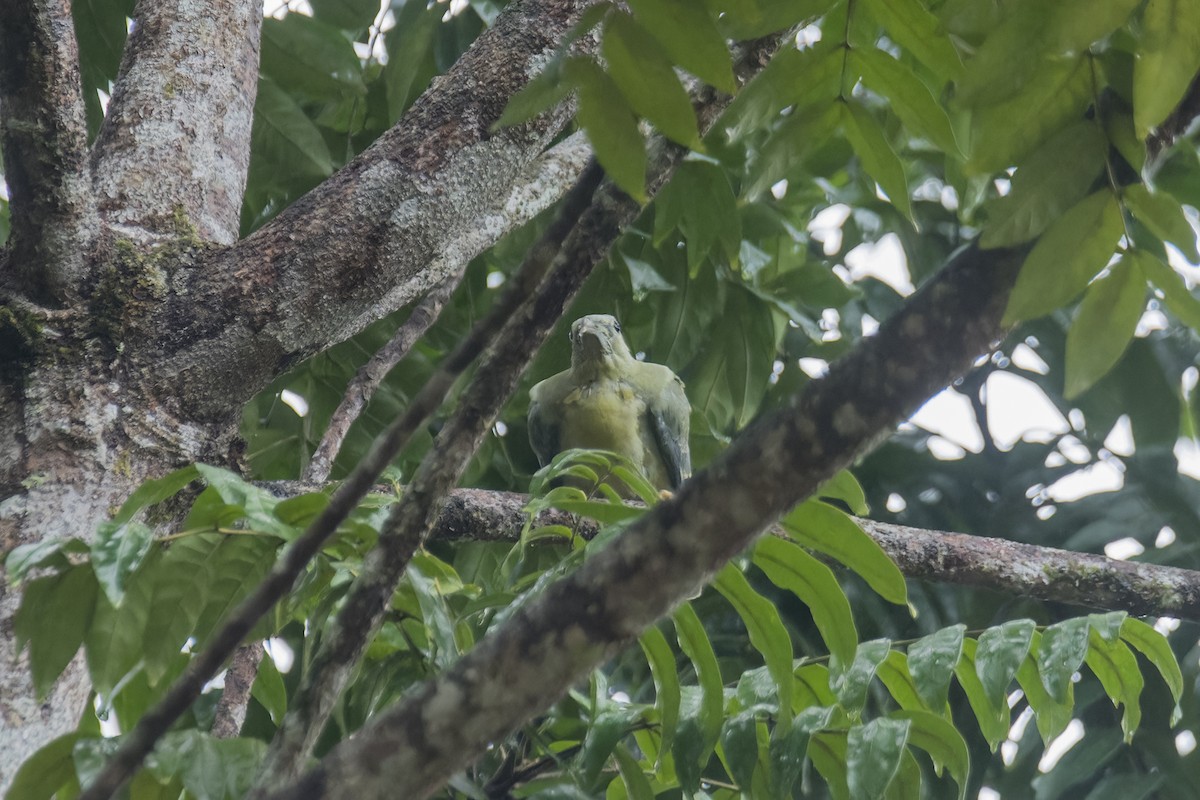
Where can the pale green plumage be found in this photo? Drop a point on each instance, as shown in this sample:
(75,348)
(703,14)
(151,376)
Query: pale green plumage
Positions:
(608,400)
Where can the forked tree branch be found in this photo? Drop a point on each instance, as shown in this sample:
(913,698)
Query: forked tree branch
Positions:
(44,139)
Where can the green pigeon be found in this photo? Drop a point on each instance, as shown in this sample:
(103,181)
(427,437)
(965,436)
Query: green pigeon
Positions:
(608,400)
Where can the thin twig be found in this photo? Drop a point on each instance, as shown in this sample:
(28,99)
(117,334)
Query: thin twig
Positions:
(364,383)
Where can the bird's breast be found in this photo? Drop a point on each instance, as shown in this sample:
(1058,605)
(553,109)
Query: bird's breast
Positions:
(605,415)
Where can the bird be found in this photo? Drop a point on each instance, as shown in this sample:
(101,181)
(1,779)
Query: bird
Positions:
(608,400)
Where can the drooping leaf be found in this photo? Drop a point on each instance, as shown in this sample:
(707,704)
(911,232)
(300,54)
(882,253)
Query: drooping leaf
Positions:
(878,158)
(1052,717)
(1154,646)
(1117,668)
(1168,58)
(117,551)
(647,80)
(1053,179)
(873,754)
(1162,214)
(1061,652)
(610,125)
(851,679)
(690,37)
(54,615)
(911,25)
(1001,651)
(637,786)
(829,530)
(1104,326)
(603,734)
(993,719)
(767,632)
(932,660)
(1070,252)
(939,738)
(666,682)
(739,741)
(788,748)
(790,568)
(893,673)
(907,96)
(1180,299)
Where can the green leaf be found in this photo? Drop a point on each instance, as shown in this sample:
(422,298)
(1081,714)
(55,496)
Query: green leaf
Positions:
(647,79)
(741,20)
(666,682)
(911,99)
(790,146)
(1052,716)
(637,786)
(611,126)
(803,80)
(1001,651)
(845,487)
(436,616)
(49,770)
(739,741)
(1070,252)
(700,202)
(1180,299)
(1167,59)
(993,719)
(546,90)
(697,733)
(918,31)
(47,553)
(932,660)
(284,136)
(155,491)
(732,378)
(211,769)
(821,527)
(1052,179)
(787,566)
(608,728)
(1003,134)
(114,639)
(828,754)
(850,680)
(54,615)
(411,59)
(1117,668)
(813,687)
(1154,646)
(767,632)
(1061,652)
(1162,214)
(873,755)
(350,15)
(893,673)
(939,738)
(877,156)
(690,37)
(1127,786)
(269,690)
(117,551)
(310,59)
(1104,326)
(788,747)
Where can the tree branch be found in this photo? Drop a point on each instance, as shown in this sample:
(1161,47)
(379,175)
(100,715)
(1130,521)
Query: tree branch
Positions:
(239,679)
(184,99)
(364,383)
(44,133)
(412,209)
(524,665)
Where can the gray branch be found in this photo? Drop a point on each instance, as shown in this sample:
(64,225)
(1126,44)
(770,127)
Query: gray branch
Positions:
(174,148)
(43,130)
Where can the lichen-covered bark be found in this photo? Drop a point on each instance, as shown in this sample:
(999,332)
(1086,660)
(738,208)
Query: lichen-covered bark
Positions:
(409,211)
(523,666)
(176,140)
(44,134)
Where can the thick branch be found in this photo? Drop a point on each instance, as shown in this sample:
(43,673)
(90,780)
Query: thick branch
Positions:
(44,133)
(412,209)
(523,666)
(239,679)
(175,144)
(980,562)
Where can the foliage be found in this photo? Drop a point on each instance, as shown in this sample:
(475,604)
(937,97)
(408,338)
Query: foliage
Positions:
(925,124)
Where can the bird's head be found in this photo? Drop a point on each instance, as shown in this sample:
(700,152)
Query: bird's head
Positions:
(597,345)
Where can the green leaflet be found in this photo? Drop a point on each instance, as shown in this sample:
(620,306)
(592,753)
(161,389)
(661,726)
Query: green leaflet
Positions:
(1104,325)
(1070,252)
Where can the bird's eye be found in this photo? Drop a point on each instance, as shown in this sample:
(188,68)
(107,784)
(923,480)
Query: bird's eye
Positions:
(617,325)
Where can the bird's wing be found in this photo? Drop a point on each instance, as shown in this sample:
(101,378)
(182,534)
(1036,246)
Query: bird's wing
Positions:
(543,430)
(670,417)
